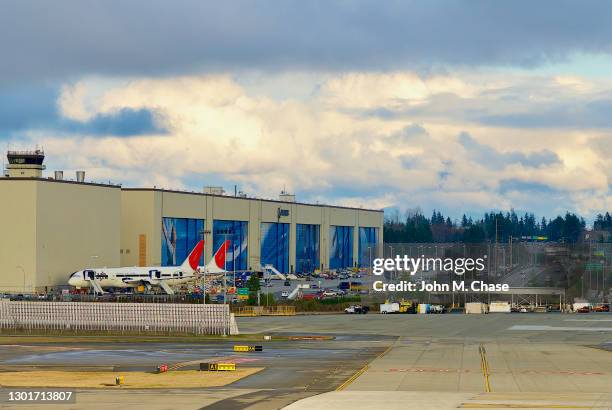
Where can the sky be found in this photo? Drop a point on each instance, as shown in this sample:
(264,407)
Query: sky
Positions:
(459,106)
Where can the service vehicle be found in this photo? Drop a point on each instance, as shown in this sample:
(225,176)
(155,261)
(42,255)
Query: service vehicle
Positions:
(357,309)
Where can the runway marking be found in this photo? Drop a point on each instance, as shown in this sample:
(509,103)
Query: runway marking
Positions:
(523,406)
(588,320)
(560,328)
(527,371)
(352,378)
(364,368)
(484,365)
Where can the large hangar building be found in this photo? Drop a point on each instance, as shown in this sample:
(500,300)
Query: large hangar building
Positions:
(53,227)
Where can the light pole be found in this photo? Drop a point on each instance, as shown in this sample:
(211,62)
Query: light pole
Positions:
(204,233)
(391,256)
(234,264)
(225,270)
(603,280)
(370,259)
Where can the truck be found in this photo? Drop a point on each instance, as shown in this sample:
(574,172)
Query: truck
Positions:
(579,305)
(476,308)
(358,309)
(389,308)
(499,307)
(403,306)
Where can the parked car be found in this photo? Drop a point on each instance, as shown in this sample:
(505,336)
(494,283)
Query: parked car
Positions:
(285,294)
(357,309)
(601,308)
(310,296)
(287,283)
(583,309)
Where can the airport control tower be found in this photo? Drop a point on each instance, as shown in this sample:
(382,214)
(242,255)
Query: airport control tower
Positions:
(25,164)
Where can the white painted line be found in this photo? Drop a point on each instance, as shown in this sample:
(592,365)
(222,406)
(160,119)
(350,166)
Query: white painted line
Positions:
(588,320)
(560,328)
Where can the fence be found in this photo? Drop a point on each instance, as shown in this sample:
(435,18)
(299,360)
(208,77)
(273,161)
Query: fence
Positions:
(133,317)
(264,311)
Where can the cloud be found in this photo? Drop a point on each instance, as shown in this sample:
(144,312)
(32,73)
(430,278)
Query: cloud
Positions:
(576,114)
(27,108)
(489,157)
(154,37)
(125,122)
(213,129)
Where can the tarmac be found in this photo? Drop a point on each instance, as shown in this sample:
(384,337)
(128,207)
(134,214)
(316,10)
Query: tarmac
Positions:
(528,360)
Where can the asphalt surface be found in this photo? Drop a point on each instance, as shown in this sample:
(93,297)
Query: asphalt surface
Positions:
(534,360)
(292,369)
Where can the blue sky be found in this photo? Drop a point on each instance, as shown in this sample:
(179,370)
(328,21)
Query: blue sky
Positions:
(461,106)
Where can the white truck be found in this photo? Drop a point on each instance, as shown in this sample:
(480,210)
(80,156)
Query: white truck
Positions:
(389,308)
(499,307)
(476,308)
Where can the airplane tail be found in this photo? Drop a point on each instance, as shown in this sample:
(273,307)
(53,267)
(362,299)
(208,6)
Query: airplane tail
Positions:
(217,264)
(191,263)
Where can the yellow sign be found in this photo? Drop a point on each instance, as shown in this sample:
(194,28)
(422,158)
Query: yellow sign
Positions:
(245,348)
(218,367)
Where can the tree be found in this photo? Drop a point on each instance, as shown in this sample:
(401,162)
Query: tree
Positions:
(494,226)
(253,284)
(474,234)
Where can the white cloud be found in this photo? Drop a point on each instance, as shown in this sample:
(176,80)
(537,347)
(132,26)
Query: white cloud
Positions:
(327,145)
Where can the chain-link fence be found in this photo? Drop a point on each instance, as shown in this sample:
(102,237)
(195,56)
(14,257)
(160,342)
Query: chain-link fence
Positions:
(583,270)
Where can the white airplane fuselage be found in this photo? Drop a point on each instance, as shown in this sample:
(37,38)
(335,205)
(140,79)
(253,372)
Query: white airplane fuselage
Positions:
(130,277)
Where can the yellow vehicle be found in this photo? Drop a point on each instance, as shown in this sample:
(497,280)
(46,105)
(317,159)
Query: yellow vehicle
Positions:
(356,286)
(406,306)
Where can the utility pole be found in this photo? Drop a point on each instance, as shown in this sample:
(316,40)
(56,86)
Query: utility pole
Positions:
(510,240)
(225,272)
(495,263)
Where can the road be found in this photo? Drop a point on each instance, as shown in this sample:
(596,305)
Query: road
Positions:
(393,361)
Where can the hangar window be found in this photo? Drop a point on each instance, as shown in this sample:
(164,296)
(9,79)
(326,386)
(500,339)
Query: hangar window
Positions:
(179,237)
(307,252)
(340,247)
(237,233)
(368,241)
(275,245)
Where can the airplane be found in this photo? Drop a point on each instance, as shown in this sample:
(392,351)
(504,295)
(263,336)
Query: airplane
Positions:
(149,276)
(217,263)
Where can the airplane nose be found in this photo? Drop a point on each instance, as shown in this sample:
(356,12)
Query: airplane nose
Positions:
(74,279)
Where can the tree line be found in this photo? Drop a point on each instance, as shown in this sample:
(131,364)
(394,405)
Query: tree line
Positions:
(413,226)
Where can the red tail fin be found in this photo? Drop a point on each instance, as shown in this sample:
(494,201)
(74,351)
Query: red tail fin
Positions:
(220,255)
(194,257)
